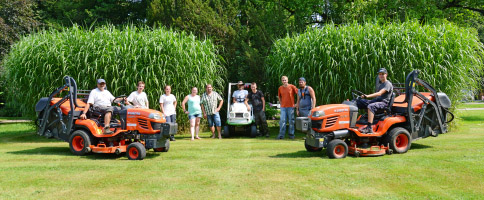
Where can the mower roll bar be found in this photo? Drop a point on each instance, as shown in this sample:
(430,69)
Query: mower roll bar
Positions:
(71,86)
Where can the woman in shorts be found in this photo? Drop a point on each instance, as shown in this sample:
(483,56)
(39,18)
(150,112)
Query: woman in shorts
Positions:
(194,112)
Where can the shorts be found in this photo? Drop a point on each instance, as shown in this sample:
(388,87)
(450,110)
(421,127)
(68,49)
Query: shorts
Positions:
(104,109)
(190,117)
(372,105)
(214,120)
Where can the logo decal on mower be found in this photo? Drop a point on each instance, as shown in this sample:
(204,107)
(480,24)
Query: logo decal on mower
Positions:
(341,110)
(131,124)
(134,113)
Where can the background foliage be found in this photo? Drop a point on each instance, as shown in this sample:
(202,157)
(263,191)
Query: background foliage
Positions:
(37,64)
(336,59)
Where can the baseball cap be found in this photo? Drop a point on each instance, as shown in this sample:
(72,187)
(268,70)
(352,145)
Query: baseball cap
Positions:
(240,83)
(382,70)
(99,81)
(302,79)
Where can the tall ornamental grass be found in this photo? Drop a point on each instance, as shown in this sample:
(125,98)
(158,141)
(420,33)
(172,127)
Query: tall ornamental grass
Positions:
(37,64)
(336,59)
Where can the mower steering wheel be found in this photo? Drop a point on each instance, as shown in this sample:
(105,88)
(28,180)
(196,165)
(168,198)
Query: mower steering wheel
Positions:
(357,94)
(118,101)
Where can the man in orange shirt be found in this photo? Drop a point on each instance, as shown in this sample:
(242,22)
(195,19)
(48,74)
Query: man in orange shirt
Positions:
(286,94)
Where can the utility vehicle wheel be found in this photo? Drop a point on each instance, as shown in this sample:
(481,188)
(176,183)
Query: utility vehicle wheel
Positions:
(79,142)
(337,149)
(253,131)
(136,151)
(399,140)
(226,132)
(311,148)
(163,149)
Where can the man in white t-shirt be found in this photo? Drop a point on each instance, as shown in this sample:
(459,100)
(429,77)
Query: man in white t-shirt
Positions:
(168,107)
(139,98)
(240,95)
(100,99)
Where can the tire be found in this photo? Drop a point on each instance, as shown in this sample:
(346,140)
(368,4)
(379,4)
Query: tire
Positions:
(253,131)
(136,151)
(337,149)
(399,140)
(163,149)
(226,132)
(79,142)
(311,148)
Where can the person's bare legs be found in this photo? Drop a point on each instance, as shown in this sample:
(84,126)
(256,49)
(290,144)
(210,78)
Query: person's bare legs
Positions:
(370,116)
(197,127)
(219,130)
(213,131)
(192,126)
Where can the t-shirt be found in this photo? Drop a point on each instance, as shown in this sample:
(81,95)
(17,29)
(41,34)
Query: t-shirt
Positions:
(286,95)
(256,99)
(387,85)
(100,98)
(138,99)
(210,102)
(194,105)
(168,106)
(240,95)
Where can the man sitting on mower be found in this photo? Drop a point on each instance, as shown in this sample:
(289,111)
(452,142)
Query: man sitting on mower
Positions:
(381,101)
(239,97)
(100,98)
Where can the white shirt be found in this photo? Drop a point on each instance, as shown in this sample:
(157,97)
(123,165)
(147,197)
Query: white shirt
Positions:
(240,94)
(100,98)
(138,99)
(168,106)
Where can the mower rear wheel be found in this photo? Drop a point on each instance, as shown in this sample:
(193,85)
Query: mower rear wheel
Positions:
(163,149)
(337,149)
(253,131)
(136,151)
(399,140)
(226,132)
(311,148)
(79,142)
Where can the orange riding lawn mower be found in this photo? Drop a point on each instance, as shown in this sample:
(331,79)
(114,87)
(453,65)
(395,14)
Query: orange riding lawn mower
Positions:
(410,116)
(135,130)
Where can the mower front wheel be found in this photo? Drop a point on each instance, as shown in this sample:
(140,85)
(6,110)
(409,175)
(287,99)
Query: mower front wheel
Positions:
(136,151)
(399,140)
(337,149)
(226,132)
(311,148)
(253,131)
(79,143)
(163,149)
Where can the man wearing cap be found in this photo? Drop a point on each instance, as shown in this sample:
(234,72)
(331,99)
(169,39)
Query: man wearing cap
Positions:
(101,99)
(240,95)
(286,94)
(382,95)
(306,99)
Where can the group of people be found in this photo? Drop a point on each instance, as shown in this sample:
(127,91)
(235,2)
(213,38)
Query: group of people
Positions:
(210,103)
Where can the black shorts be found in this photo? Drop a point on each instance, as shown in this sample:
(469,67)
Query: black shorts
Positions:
(372,105)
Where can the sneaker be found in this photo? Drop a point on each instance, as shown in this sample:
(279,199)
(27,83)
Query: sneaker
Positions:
(107,131)
(292,138)
(279,138)
(267,134)
(172,138)
(368,130)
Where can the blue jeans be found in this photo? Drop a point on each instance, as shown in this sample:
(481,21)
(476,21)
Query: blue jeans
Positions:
(304,112)
(214,120)
(171,118)
(289,114)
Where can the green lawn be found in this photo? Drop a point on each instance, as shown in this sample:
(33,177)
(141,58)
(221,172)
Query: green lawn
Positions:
(447,167)
(471,105)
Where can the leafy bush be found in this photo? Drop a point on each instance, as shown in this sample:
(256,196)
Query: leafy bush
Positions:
(36,65)
(336,59)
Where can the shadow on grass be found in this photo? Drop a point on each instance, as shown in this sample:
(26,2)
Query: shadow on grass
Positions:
(301,154)
(64,151)
(473,118)
(419,146)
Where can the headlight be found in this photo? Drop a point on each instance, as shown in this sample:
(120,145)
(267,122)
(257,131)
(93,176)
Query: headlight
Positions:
(318,113)
(154,116)
(232,115)
(246,115)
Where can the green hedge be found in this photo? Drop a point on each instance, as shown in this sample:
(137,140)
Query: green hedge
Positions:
(37,64)
(336,59)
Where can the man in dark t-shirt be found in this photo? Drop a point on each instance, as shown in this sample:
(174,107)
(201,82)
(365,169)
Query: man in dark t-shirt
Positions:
(383,96)
(256,98)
